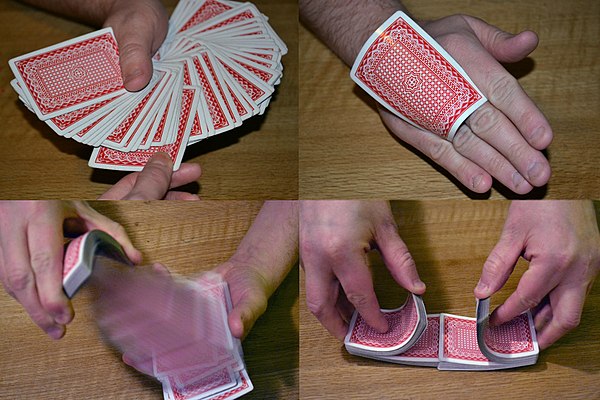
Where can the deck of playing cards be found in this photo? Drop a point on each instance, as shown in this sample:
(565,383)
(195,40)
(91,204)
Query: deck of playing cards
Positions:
(410,74)
(448,342)
(217,67)
(172,328)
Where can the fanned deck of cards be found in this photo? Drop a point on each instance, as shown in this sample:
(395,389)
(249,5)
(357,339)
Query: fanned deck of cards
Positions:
(175,329)
(217,67)
(445,341)
(409,73)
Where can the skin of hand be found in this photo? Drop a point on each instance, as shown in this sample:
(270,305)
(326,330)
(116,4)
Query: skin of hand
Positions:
(335,237)
(503,138)
(140,27)
(31,255)
(155,181)
(560,240)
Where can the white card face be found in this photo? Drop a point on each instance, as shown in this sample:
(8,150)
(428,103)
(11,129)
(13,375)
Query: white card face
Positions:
(225,51)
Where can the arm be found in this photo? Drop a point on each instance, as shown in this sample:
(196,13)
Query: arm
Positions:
(140,27)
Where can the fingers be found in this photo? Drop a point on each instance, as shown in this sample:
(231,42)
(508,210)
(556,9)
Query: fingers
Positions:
(20,282)
(154,180)
(502,90)
(398,260)
(534,285)
(94,220)
(492,125)
(187,173)
(357,283)
(321,298)
(45,243)
(567,303)
(441,152)
(245,313)
(481,153)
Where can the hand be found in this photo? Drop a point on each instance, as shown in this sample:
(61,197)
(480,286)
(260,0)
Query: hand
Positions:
(335,237)
(140,27)
(503,137)
(250,293)
(560,240)
(154,181)
(31,255)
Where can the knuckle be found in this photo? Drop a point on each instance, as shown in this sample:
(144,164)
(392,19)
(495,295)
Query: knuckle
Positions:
(494,266)
(484,119)
(18,279)
(403,259)
(438,151)
(334,248)
(316,307)
(131,49)
(568,322)
(462,139)
(357,299)
(41,262)
(527,301)
(502,88)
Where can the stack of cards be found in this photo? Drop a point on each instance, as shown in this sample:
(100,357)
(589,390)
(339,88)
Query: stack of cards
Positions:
(449,342)
(175,329)
(217,67)
(226,380)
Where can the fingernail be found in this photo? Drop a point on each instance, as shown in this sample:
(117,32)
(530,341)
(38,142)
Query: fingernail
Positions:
(162,158)
(477,181)
(419,285)
(55,332)
(534,170)
(482,287)
(517,179)
(62,319)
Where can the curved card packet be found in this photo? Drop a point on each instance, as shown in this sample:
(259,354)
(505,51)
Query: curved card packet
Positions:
(409,73)
(80,254)
(507,343)
(406,324)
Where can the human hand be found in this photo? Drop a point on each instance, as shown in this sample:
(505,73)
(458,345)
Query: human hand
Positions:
(560,240)
(155,181)
(31,255)
(140,27)
(335,237)
(503,137)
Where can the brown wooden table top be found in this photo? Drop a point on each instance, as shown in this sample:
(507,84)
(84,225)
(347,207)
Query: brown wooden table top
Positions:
(258,160)
(449,242)
(188,238)
(346,152)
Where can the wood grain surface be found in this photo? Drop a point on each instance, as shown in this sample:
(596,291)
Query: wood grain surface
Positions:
(188,238)
(258,160)
(346,152)
(449,242)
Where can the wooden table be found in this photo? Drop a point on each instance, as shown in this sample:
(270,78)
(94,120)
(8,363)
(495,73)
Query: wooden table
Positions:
(258,160)
(346,152)
(188,238)
(449,242)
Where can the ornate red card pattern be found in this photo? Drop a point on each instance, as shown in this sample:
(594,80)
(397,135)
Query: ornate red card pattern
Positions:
(410,75)
(402,324)
(428,344)
(90,70)
(510,338)
(460,339)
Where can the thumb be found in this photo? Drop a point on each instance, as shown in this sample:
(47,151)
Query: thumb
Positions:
(154,180)
(92,219)
(398,260)
(246,311)
(504,46)
(499,264)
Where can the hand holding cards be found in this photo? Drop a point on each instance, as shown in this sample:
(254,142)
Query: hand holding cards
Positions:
(171,328)
(217,67)
(409,73)
(445,341)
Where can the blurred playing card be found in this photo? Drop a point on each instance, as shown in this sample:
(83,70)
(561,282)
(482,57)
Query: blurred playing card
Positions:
(221,58)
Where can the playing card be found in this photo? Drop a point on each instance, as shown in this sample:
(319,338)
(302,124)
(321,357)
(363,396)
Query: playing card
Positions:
(406,324)
(409,73)
(225,52)
(71,74)
(79,257)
